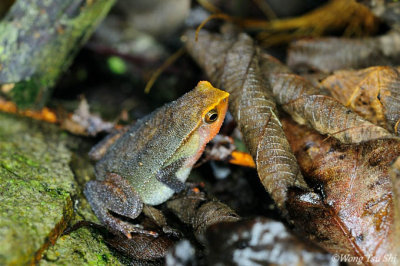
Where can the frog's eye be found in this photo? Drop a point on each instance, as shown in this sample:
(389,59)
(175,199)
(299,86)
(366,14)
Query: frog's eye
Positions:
(211,116)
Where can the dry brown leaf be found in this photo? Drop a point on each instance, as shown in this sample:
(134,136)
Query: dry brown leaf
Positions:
(197,210)
(374,93)
(395,174)
(232,64)
(329,54)
(349,209)
(83,122)
(356,213)
(306,105)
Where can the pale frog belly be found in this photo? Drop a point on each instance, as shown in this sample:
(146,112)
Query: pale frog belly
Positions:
(154,192)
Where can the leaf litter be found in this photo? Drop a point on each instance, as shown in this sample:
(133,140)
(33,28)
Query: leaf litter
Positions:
(345,202)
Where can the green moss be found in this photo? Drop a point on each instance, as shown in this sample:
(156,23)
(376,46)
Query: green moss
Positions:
(82,247)
(25,93)
(35,194)
(36,189)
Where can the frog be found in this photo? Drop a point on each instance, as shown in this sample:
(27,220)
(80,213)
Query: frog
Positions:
(145,164)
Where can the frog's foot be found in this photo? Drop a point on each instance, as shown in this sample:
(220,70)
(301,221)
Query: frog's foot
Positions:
(115,197)
(128,229)
(158,218)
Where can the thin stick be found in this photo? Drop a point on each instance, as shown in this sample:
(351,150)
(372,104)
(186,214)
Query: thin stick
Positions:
(213,16)
(170,60)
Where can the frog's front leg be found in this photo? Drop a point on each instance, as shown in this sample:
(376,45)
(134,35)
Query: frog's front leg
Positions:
(168,176)
(115,194)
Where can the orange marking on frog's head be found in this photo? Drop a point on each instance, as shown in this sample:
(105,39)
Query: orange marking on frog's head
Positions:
(212,117)
(214,114)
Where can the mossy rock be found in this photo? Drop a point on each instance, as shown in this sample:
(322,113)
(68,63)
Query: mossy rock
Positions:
(84,246)
(37,192)
(81,247)
(36,185)
(38,41)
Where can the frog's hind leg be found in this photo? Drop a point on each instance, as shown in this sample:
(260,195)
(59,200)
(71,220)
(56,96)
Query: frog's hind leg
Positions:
(115,195)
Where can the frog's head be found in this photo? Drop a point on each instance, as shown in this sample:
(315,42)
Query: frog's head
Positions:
(197,116)
(203,110)
(215,105)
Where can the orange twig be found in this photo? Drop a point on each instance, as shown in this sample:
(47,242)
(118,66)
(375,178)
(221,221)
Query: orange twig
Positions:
(44,115)
(242,158)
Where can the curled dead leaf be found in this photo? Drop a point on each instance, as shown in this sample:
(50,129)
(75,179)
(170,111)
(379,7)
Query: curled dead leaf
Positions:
(329,54)
(232,64)
(347,203)
(374,93)
(195,209)
(307,105)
